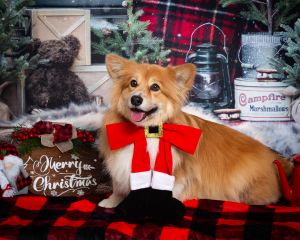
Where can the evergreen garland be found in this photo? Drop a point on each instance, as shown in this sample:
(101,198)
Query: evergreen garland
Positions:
(290,68)
(11,17)
(27,140)
(271,13)
(131,40)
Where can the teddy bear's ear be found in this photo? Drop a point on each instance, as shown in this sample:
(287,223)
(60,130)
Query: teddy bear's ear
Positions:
(115,64)
(73,43)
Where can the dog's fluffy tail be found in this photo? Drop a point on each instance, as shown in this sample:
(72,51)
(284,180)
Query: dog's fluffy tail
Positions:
(287,165)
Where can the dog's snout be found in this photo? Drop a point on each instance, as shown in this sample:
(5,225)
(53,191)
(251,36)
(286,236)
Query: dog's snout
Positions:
(136,100)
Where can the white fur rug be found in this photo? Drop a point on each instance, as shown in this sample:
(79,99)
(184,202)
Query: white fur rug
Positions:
(283,137)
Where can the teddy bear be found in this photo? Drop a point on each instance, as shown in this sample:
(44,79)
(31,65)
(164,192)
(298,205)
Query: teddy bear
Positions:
(50,84)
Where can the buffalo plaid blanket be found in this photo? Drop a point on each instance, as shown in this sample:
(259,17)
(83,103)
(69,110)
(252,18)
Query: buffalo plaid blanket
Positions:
(37,217)
(175,20)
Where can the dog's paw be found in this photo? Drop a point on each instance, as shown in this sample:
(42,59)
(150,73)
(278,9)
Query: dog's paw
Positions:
(110,202)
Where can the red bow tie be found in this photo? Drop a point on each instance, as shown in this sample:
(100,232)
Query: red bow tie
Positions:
(183,137)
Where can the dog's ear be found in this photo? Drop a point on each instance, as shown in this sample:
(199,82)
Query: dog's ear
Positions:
(114,65)
(185,75)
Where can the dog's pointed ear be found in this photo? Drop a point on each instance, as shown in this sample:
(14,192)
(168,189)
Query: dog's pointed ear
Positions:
(114,65)
(185,75)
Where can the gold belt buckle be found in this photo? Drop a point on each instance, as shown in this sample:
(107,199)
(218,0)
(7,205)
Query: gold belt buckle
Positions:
(154,131)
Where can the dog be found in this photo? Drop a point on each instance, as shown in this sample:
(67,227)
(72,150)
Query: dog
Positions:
(227,164)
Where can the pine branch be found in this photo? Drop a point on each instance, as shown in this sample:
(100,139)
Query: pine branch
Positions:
(255,14)
(226,3)
(271,13)
(131,40)
(11,16)
(269,16)
(291,70)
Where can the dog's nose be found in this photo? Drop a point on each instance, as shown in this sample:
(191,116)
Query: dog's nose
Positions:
(136,100)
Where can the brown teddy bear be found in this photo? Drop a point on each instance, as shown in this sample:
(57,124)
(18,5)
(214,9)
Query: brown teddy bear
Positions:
(50,84)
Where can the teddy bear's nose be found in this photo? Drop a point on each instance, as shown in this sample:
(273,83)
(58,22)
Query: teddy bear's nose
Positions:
(136,100)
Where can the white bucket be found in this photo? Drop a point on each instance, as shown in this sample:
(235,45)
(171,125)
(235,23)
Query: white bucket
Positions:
(261,101)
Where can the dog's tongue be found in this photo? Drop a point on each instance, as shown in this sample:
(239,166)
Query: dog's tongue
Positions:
(137,116)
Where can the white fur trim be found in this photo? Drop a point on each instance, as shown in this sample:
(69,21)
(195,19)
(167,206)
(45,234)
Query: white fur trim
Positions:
(13,159)
(3,180)
(140,180)
(8,193)
(13,172)
(162,181)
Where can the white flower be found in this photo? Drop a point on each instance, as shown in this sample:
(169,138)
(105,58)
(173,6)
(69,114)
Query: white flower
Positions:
(74,156)
(53,193)
(80,192)
(124,4)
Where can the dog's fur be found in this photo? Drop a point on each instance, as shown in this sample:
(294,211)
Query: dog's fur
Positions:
(227,164)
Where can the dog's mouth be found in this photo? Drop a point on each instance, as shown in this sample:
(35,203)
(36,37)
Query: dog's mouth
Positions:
(138,115)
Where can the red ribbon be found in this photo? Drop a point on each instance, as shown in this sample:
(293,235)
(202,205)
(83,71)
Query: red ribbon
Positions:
(61,133)
(7,149)
(122,134)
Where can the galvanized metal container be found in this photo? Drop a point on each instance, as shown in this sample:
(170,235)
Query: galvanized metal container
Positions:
(261,101)
(256,50)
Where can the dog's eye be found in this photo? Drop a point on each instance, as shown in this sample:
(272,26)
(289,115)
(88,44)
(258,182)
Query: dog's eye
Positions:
(154,87)
(133,83)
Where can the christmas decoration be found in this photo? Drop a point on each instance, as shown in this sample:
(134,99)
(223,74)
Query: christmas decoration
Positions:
(289,68)
(61,171)
(151,191)
(11,16)
(13,177)
(12,62)
(258,48)
(51,135)
(212,87)
(270,13)
(50,83)
(131,40)
(57,174)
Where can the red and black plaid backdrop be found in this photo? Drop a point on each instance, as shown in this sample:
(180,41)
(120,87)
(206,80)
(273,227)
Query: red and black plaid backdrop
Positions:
(175,20)
(39,217)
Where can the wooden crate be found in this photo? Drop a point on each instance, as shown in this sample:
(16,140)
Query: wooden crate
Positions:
(96,79)
(56,23)
(14,97)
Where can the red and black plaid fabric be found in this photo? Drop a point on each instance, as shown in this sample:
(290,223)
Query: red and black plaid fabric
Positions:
(62,133)
(175,20)
(38,217)
(8,148)
(43,127)
(22,182)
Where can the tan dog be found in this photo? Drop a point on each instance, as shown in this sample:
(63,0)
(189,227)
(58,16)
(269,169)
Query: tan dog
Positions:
(227,164)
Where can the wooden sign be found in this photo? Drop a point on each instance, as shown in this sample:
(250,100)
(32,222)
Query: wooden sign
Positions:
(65,174)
